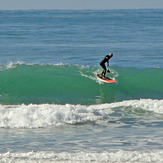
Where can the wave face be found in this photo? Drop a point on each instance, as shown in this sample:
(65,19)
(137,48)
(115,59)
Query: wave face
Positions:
(75,84)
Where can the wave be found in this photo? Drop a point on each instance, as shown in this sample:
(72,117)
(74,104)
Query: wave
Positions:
(118,156)
(52,115)
(75,84)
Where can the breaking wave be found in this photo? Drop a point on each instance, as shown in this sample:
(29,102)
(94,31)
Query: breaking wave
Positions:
(52,115)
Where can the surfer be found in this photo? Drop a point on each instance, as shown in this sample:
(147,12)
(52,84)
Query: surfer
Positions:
(102,64)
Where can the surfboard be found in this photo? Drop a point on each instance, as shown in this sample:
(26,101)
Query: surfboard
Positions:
(105,79)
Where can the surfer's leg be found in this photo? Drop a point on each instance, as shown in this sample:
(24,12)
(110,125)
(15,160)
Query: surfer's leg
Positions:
(104,71)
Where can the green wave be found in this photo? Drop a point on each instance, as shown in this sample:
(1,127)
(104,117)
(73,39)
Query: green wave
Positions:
(76,84)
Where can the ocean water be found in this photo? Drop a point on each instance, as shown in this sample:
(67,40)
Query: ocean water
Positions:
(52,106)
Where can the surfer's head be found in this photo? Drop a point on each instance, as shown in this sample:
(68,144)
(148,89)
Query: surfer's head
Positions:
(111,55)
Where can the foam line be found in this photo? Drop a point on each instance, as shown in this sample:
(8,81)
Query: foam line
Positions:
(44,115)
(118,157)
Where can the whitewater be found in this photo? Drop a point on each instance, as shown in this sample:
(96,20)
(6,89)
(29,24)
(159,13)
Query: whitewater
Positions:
(46,115)
(52,106)
(126,119)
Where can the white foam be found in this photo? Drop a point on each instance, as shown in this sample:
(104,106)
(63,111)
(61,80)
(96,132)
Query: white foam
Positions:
(145,104)
(11,65)
(88,76)
(114,74)
(44,115)
(34,116)
(118,157)
(92,77)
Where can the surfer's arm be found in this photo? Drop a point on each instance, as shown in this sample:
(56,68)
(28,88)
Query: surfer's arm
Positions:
(108,67)
(108,63)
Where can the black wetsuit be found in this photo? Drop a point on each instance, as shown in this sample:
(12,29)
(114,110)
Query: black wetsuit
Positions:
(102,64)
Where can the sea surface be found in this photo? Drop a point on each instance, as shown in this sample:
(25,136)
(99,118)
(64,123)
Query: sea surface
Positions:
(52,106)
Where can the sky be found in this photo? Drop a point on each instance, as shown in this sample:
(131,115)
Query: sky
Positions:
(79,4)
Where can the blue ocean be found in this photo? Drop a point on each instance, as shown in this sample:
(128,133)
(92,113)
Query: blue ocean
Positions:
(53,108)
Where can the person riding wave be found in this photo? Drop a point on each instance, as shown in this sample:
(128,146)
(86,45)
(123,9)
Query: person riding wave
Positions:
(102,64)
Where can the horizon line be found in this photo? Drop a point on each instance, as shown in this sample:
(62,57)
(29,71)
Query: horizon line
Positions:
(83,9)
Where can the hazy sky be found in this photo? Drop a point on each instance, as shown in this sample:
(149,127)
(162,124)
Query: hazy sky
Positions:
(80,4)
